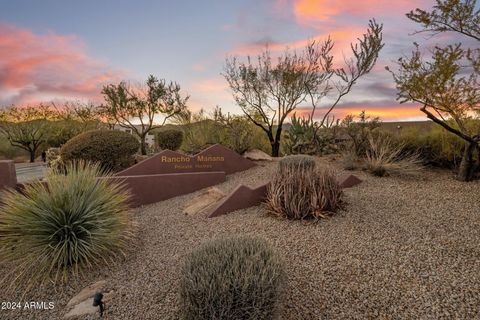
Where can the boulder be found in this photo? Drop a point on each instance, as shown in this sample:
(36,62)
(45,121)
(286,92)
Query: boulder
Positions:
(86,306)
(257,155)
(87,292)
(203,201)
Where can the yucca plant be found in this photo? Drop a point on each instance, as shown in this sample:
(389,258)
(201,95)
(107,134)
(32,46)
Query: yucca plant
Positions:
(52,229)
(231,278)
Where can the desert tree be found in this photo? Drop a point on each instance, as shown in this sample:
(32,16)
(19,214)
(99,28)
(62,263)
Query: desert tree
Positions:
(87,114)
(268,92)
(26,127)
(358,130)
(145,104)
(446,85)
(74,117)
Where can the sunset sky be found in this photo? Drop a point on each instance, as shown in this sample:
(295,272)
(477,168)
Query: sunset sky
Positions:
(54,50)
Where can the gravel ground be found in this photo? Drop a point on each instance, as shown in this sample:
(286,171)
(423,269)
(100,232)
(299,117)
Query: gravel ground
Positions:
(401,249)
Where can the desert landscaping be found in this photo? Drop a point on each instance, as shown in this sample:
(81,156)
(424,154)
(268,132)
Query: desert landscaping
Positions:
(310,160)
(396,250)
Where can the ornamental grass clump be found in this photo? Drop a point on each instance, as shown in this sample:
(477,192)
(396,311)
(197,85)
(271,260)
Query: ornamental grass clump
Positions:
(52,230)
(301,191)
(233,278)
(384,158)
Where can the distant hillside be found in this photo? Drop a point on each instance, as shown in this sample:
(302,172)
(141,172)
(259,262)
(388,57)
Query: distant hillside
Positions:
(422,126)
(397,126)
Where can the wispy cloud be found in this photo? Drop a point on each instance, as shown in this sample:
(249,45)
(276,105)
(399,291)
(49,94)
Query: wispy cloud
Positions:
(43,67)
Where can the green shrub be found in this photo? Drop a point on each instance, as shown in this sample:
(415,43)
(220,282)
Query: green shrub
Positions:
(52,231)
(113,149)
(306,137)
(199,135)
(234,278)
(300,191)
(170,139)
(234,132)
(437,147)
(358,129)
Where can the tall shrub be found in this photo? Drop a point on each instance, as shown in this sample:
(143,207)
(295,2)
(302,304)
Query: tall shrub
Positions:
(49,231)
(113,149)
(233,278)
(170,139)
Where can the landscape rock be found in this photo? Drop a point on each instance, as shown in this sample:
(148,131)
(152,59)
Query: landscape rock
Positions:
(83,308)
(203,201)
(257,155)
(87,292)
(348,181)
(86,306)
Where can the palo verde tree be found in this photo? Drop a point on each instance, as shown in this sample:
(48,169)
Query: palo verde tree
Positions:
(27,127)
(447,85)
(138,108)
(269,92)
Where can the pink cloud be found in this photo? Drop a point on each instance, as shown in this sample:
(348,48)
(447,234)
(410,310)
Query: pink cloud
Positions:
(312,12)
(342,38)
(46,67)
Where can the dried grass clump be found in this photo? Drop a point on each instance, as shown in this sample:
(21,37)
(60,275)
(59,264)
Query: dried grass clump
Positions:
(233,278)
(52,231)
(303,192)
(384,157)
(350,161)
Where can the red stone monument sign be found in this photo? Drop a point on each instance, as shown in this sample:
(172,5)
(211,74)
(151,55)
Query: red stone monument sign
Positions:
(213,159)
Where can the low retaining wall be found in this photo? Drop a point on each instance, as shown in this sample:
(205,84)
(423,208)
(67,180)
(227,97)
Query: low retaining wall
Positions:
(145,189)
(148,189)
(243,197)
(8,175)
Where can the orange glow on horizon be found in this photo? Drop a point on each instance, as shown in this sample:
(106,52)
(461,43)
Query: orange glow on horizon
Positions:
(386,113)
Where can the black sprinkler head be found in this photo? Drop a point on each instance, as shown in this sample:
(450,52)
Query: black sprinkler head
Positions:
(97,299)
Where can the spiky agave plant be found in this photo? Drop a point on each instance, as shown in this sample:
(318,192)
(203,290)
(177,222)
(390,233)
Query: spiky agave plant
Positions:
(54,229)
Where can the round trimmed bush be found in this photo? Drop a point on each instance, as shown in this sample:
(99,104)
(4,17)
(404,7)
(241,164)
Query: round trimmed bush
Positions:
(54,229)
(113,149)
(233,278)
(170,139)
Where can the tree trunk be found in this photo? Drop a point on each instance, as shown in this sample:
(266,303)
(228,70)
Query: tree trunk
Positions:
(143,146)
(275,149)
(466,168)
(276,143)
(272,143)
(32,155)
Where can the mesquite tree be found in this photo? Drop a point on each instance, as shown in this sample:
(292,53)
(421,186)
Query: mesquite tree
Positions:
(269,92)
(144,104)
(26,128)
(447,85)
